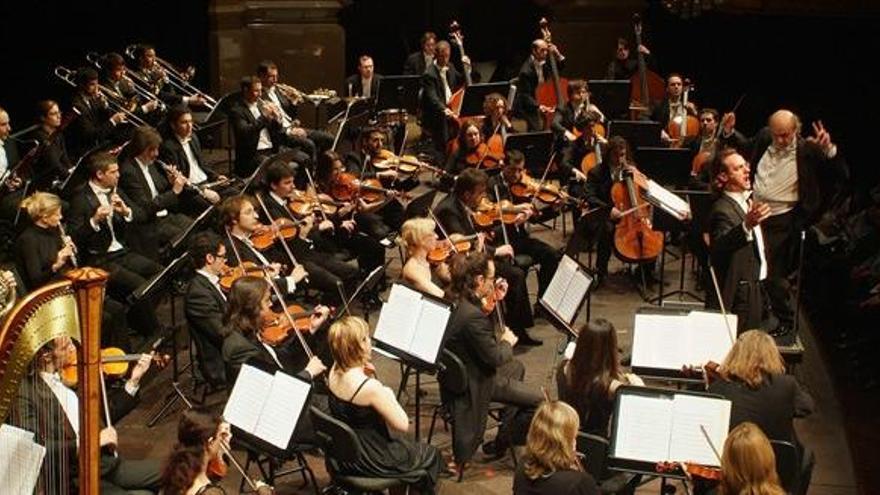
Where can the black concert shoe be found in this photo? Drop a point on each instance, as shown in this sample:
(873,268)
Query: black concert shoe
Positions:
(524,339)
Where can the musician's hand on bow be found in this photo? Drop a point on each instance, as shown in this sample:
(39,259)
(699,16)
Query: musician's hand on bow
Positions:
(349,225)
(504,250)
(108,437)
(615,213)
(728,123)
(224,434)
(315,367)
(299,273)
(274,269)
(319,315)
(449,113)
(508,336)
(264,489)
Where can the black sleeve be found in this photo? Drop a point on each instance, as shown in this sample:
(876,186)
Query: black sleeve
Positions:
(430,97)
(727,234)
(121,403)
(480,336)
(201,307)
(36,261)
(593,190)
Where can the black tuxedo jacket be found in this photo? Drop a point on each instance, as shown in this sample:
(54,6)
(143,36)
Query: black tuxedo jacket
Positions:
(433,95)
(289,108)
(247,134)
(353,86)
(527,83)
(134,184)
(204,307)
(734,256)
(89,241)
(171,152)
(91,127)
(12,155)
(248,253)
(239,350)
(454,217)
(415,64)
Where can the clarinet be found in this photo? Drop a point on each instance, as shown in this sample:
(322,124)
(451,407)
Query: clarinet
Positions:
(64,240)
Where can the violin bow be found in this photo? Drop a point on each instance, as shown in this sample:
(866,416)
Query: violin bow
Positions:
(501,216)
(543,178)
(278,233)
(730,333)
(711,443)
(315,189)
(442,230)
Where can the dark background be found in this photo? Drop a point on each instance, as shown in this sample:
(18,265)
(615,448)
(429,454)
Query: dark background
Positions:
(820,67)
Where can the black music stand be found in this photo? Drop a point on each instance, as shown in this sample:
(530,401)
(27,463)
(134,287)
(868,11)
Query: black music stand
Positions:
(670,225)
(536,146)
(367,285)
(637,133)
(420,206)
(399,92)
(182,239)
(475,95)
(611,96)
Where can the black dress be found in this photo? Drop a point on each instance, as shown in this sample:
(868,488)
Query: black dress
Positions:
(556,483)
(384,456)
(594,406)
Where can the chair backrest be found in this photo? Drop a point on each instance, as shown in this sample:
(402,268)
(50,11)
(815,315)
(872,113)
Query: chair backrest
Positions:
(338,440)
(453,374)
(787,464)
(594,450)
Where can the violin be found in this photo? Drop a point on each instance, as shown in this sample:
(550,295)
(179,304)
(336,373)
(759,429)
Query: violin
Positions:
(247,268)
(305,204)
(114,364)
(487,218)
(546,193)
(346,187)
(487,155)
(265,237)
(634,239)
(277,329)
(406,164)
(217,468)
(691,470)
(444,250)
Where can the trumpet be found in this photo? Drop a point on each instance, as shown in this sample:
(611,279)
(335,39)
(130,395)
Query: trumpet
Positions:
(296,96)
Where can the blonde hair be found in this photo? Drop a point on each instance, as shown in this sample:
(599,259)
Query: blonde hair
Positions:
(748,463)
(752,356)
(551,438)
(413,230)
(41,204)
(348,339)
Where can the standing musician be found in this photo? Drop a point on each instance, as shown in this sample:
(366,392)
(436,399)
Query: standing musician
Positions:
(156,192)
(493,373)
(182,148)
(239,216)
(534,71)
(360,163)
(418,236)
(514,172)
(48,408)
(578,105)
(204,304)
(625,63)
(99,219)
(439,81)
(455,213)
(151,71)
(795,177)
(53,164)
(97,124)
(416,63)
(366,82)
(672,106)
(114,78)
(310,141)
(737,241)
(326,272)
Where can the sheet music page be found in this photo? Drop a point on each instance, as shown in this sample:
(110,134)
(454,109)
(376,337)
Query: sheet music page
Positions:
(643,428)
(669,201)
(248,396)
(22,460)
(284,404)
(555,292)
(429,329)
(659,341)
(708,338)
(397,320)
(687,442)
(571,300)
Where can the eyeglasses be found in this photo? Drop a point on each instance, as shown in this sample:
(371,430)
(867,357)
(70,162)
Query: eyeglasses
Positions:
(220,256)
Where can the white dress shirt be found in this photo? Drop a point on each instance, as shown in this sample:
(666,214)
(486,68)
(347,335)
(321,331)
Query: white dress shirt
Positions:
(196,174)
(104,199)
(265,141)
(145,171)
(214,279)
(4,160)
(755,234)
(776,180)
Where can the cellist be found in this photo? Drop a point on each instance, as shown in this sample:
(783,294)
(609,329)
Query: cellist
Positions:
(496,121)
(672,106)
(577,106)
(534,71)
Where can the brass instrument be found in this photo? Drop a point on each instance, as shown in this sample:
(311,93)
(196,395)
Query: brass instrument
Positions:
(294,95)
(144,91)
(7,296)
(114,100)
(167,74)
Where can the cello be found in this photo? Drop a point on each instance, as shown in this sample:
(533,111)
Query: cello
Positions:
(551,94)
(634,239)
(646,87)
(683,125)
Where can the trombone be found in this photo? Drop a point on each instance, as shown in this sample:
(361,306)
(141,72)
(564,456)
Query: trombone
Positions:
(177,80)
(131,78)
(113,99)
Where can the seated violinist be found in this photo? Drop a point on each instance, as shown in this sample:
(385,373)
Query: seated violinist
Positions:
(471,152)
(360,164)
(540,253)
(419,238)
(578,105)
(239,218)
(748,463)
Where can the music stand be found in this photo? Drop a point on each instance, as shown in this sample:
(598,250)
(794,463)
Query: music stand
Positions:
(183,237)
(666,166)
(475,95)
(666,223)
(420,206)
(536,146)
(611,96)
(369,283)
(399,92)
(568,291)
(636,132)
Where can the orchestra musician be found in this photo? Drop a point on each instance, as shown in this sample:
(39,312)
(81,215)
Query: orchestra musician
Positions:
(469,153)
(737,241)
(672,106)
(419,238)
(150,71)
(183,149)
(9,157)
(494,375)
(588,143)
(439,82)
(97,123)
(204,304)
(199,439)
(416,63)
(625,63)
(99,219)
(49,409)
(534,71)
(158,193)
(360,163)
(455,213)
(590,379)
(796,177)
(257,128)
(53,164)
(114,78)
(496,120)
(366,82)
(551,466)
(565,118)
(748,463)
(309,141)
(370,409)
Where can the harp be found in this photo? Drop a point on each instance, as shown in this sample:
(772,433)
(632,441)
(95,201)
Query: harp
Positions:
(70,308)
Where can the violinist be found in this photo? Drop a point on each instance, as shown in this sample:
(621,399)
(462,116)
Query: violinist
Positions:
(578,105)
(97,123)
(199,439)
(542,254)
(204,304)
(439,82)
(551,466)
(53,165)
(360,165)
(239,216)
(737,241)
(156,191)
(416,63)
(534,71)
(748,463)
(492,371)
(419,238)
(325,270)
(472,152)
(182,148)
(114,78)
(672,107)
(455,214)
(49,409)
(753,378)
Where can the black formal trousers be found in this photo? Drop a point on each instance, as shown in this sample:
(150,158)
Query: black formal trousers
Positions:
(521,401)
(780,240)
(128,272)
(542,254)
(517,309)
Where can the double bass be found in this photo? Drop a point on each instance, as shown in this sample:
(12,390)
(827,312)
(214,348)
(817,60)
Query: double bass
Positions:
(551,94)
(646,87)
(457,98)
(634,239)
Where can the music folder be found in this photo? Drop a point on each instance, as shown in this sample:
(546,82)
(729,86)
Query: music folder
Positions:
(412,326)
(652,425)
(567,292)
(665,340)
(265,405)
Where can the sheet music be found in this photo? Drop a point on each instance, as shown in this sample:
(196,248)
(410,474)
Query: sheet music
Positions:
(22,460)
(246,400)
(670,341)
(432,318)
(710,335)
(670,202)
(567,289)
(397,320)
(643,428)
(687,442)
(283,405)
